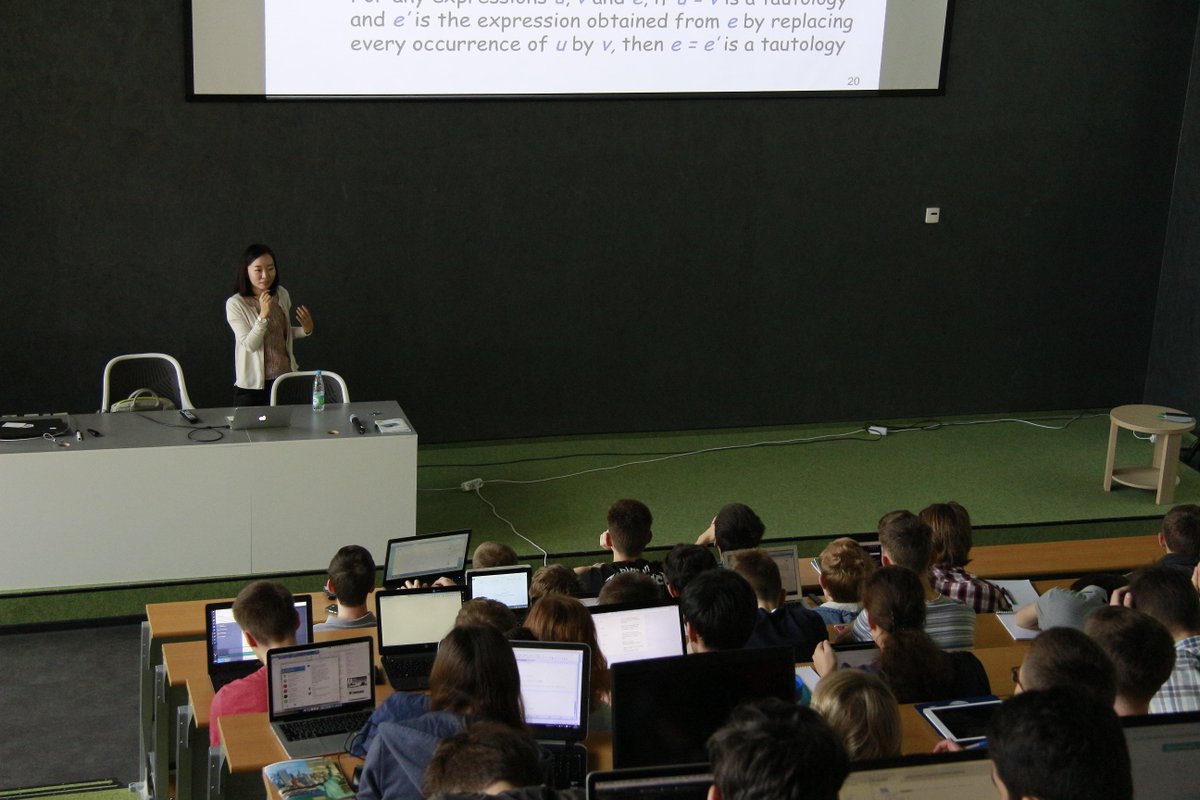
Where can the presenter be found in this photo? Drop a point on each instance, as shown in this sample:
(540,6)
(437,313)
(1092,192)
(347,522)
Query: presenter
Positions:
(262,334)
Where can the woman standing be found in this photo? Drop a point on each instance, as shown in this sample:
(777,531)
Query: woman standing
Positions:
(262,335)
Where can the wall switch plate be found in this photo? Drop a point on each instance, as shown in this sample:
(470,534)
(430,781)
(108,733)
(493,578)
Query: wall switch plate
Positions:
(933,214)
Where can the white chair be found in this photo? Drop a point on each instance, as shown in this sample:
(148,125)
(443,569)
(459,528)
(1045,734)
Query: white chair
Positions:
(295,388)
(160,372)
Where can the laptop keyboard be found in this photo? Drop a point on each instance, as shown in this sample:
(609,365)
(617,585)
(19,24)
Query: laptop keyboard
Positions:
(570,768)
(407,672)
(324,726)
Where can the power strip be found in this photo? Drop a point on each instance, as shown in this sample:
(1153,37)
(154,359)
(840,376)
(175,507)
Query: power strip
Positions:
(878,430)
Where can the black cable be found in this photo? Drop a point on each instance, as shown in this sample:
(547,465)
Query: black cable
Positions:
(866,437)
(191,429)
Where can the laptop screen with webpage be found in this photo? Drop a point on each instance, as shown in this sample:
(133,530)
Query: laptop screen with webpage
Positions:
(1164,755)
(420,556)
(335,675)
(638,631)
(554,688)
(227,643)
(952,776)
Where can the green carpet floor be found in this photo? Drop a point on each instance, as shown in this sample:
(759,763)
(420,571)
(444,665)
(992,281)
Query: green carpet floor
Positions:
(85,790)
(809,483)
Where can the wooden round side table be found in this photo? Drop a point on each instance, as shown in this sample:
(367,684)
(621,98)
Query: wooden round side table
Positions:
(1162,475)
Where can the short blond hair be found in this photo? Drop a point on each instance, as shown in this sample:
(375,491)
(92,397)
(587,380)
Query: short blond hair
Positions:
(861,708)
(844,567)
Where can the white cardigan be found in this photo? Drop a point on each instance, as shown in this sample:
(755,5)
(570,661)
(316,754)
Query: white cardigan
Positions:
(248,332)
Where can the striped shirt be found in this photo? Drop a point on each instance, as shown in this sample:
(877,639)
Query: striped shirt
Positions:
(1181,692)
(948,622)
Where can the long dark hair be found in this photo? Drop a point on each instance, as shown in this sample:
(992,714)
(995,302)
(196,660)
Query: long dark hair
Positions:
(241,281)
(475,674)
(912,664)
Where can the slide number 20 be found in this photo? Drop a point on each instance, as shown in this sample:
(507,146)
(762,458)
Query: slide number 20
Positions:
(853,81)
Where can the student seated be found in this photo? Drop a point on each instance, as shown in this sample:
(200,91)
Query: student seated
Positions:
(493,554)
(487,758)
(909,660)
(906,541)
(1167,595)
(778,623)
(720,611)
(627,535)
(485,611)
(474,678)
(1067,657)
(1141,651)
(266,613)
(735,527)
(1069,608)
(558,618)
(774,750)
(684,562)
(1180,537)
(861,709)
(1059,744)
(844,566)
(629,587)
(951,527)
(351,579)
(554,579)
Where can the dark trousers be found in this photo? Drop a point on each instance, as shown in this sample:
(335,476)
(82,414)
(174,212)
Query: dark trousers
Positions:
(251,397)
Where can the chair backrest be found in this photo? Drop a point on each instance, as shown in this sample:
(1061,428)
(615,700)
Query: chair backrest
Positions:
(295,388)
(126,374)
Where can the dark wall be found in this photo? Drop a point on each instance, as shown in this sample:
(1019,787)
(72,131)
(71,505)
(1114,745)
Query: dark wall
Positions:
(1174,372)
(507,268)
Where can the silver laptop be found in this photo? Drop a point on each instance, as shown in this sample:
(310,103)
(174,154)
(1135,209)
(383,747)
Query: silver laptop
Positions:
(258,417)
(320,695)
(784,556)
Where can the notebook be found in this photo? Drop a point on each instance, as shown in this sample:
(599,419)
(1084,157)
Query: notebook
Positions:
(664,709)
(320,695)
(410,623)
(229,653)
(508,585)
(426,558)
(258,417)
(949,776)
(555,692)
(679,782)
(635,631)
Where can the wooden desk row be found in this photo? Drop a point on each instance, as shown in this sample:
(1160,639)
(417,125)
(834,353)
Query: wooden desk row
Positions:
(1045,559)
(173,707)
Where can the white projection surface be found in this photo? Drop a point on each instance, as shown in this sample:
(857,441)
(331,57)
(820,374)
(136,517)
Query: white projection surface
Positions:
(347,48)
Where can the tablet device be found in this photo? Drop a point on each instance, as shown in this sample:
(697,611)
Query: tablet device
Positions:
(961,721)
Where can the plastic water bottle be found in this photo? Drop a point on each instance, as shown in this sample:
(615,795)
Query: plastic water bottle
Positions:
(318,392)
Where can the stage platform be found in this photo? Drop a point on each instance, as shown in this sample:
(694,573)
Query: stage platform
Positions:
(1019,481)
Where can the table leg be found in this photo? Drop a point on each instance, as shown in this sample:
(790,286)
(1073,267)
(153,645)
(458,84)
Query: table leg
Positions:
(1112,455)
(1168,467)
